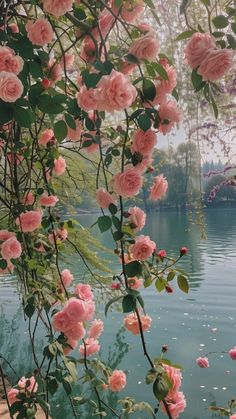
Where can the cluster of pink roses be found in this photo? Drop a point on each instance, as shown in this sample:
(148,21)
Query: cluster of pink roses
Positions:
(175,399)
(10,248)
(131,323)
(24,385)
(11,88)
(202,54)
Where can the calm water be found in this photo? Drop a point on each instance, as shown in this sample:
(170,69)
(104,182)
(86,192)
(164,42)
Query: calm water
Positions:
(191,325)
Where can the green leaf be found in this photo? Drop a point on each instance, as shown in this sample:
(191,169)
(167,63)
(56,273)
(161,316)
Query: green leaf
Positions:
(104,223)
(113,300)
(171,276)
(231,40)
(220,21)
(48,104)
(218,34)
(150,4)
(116,222)
(44,405)
(52,385)
(117,235)
(113,209)
(60,130)
(29,310)
(161,388)
(6,112)
(133,269)
(90,79)
(160,284)
(148,282)
(149,89)
(23,117)
(67,386)
(16,407)
(161,71)
(141,301)
(184,5)
(35,69)
(3,264)
(233,27)
(128,303)
(197,80)
(214,106)
(151,376)
(184,35)
(70,121)
(144,122)
(183,283)
(175,94)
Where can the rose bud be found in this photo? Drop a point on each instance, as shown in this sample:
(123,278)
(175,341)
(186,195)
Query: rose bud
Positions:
(169,289)
(164,348)
(46,83)
(183,251)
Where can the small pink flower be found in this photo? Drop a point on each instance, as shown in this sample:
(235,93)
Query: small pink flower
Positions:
(86,99)
(10,62)
(117,381)
(130,11)
(104,198)
(216,64)
(115,286)
(176,404)
(96,328)
(47,137)
(28,198)
(60,235)
(29,221)
(163,87)
(183,251)
(143,247)
(232,353)
(12,395)
(128,183)
(202,362)
(131,323)
(197,48)
(67,61)
(115,92)
(88,51)
(144,142)
(162,253)
(11,249)
(159,188)
(135,283)
(70,346)
(11,88)
(76,331)
(137,217)
(57,8)
(79,310)
(84,292)
(146,47)
(170,115)
(28,384)
(48,200)
(74,134)
(59,166)
(67,277)
(232,417)
(92,347)
(5,235)
(40,32)
(175,376)
(61,322)
(55,70)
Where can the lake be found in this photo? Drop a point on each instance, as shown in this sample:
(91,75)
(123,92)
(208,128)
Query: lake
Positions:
(191,325)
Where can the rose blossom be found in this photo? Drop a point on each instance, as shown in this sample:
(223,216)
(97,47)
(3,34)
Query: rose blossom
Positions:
(86,99)
(57,8)
(162,253)
(131,323)
(11,249)
(216,64)
(5,235)
(67,61)
(70,346)
(28,383)
(197,48)
(96,328)
(202,362)
(79,310)
(76,331)
(46,137)
(29,221)
(130,11)
(14,28)
(175,376)
(232,353)
(104,198)
(115,92)
(105,22)
(92,347)
(137,217)
(135,283)
(60,235)
(28,198)
(59,166)
(67,277)
(74,134)
(163,87)
(9,61)
(12,395)
(144,142)
(11,87)
(159,188)
(117,380)
(127,68)
(61,322)
(169,114)
(143,247)
(48,200)
(176,405)
(233,416)
(40,32)
(84,292)
(128,183)
(55,70)
(145,48)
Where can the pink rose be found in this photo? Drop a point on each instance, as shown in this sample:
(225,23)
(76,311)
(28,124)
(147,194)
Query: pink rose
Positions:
(232,417)
(216,64)
(163,87)
(202,362)
(76,331)
(10,62)
(46,137)
(232,353)
(86,99)
(55,70)
(84,292)
(162,253)
(137,217)
(93,147)
(67,277)
(59,166)
(57,8)
(130,11)
(131,323)
(60,235)
(39,32)
(61,322)
(12,395)
(29,221)
(67,61)
(115,92)
(5,234)
(79,310)
(176,405)
(11,249)
(146,47)
(197,48)
(159,188)
(175,376)
(14,28)
(143,247)
(96,328)
(28,198)
(144,142)
(92,347)
(169,114)
(48,200)
(127,68)
(117,381)
(104,198)
(11,87)
(70,346)
(128,183)
(105,22)
(135,283)
(28,384)
(74,134)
